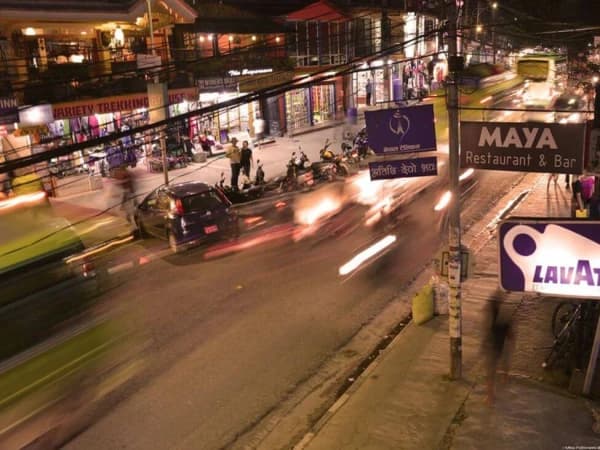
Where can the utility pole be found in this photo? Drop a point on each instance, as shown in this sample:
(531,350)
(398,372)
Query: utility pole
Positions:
(158,96)
(455,64)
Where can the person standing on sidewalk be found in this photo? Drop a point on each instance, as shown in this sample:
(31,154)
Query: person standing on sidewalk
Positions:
(234,154)
(369,90)
(496,344)
(246,159)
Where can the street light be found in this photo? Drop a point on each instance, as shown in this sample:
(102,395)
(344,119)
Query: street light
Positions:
(479,28)
(495,5)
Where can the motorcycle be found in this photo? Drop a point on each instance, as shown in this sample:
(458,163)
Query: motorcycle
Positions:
(361,143)
(331,164)
(298,174)
(248,192)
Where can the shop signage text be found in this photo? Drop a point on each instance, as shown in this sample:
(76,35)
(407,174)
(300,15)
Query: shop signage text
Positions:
(401,130)
(403,168)
(248,72)
(217,84)
(9,110)
(523,147)
(115,104)
(552,257)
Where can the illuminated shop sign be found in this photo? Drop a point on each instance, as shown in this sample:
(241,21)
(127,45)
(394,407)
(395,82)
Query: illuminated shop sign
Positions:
(248,72)
(523,146)
(118,103)
(552,257)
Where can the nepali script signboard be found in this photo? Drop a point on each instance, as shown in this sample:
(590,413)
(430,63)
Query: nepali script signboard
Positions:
(401,130)
(523,146)
(550,256)
(403,168)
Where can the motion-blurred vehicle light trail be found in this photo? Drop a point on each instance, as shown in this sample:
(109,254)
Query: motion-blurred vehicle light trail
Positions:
(362,257)
(265,236)
(444,201)
(22,199)
(466,174)
(324,208)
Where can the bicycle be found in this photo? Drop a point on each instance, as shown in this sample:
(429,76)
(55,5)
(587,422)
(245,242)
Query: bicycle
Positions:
(573,327)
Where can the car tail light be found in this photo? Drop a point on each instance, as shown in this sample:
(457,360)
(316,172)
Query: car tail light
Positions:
(88,269)
(177,207)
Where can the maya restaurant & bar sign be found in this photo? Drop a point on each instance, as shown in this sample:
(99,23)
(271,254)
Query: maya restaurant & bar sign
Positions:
(523,146)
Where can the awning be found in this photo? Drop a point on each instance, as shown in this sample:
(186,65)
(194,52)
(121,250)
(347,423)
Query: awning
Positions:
(321,11)
(234,26)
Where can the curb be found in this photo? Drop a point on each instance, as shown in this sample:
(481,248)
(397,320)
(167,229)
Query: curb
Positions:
(485,233)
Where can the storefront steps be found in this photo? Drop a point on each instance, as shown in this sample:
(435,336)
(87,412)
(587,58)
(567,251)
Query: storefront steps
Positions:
(317,127)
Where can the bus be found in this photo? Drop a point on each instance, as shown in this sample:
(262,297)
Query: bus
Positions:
(545,75)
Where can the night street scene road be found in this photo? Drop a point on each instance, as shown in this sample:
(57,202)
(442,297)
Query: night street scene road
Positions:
(299,224)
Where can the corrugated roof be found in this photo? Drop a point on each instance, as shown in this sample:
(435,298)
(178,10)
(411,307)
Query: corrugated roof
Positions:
(321,10)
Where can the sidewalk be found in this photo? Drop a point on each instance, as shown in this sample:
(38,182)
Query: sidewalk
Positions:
(404,400)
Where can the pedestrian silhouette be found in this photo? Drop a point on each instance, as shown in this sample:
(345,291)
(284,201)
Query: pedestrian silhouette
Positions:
(497,342)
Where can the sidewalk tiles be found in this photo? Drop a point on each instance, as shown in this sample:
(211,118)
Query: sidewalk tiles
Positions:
(405,400)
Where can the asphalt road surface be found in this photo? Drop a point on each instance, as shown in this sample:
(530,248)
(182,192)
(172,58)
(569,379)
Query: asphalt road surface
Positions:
(229,338)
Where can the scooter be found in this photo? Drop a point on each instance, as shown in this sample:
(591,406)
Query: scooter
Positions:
(298,173)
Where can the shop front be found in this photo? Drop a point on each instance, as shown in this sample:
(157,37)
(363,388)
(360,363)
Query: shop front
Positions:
(80,121)
(314,105)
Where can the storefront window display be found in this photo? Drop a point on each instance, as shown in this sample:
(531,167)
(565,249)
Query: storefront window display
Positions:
(359,86)
(323,102)
(297,105)
(227,120)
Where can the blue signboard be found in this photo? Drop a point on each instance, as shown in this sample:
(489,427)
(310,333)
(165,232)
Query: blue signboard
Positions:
(401,130)
(550,256)
(403,168)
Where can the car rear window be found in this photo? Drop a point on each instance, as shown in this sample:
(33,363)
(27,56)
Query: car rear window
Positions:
(206,201)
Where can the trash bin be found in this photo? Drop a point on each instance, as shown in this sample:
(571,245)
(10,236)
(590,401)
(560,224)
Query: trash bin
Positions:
(200,157)
(353,116)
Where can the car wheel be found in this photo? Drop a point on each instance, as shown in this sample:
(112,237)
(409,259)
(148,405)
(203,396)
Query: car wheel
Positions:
(173,243)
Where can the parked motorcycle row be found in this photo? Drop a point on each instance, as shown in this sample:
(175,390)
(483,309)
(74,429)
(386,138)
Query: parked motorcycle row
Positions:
(302,174)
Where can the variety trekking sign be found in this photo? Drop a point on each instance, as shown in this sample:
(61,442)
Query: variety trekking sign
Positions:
(556,257)
(401,130)
(523,146)
(403,168)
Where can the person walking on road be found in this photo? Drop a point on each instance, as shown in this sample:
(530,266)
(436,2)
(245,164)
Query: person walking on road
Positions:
(246,159)
(235,155)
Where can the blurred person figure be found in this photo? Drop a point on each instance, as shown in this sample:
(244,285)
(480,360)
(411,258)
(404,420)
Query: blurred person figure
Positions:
(551,177)
(497,342)
(259,128)
(128,197)
(235,156)
(369,91)
(246,159)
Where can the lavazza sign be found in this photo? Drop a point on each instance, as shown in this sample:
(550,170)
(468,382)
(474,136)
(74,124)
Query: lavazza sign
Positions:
(523,147)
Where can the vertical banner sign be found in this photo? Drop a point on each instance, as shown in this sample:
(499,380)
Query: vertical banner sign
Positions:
(158,102)
(9,110)
(523,147)
(555,257)
(401,130)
